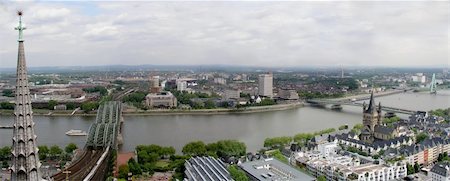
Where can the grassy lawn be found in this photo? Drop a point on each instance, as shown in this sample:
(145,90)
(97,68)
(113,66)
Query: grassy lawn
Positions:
(162,163)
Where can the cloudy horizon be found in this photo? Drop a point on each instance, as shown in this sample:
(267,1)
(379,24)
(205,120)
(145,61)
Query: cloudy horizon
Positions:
(279,34)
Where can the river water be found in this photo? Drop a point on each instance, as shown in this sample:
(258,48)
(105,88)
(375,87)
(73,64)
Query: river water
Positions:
(253,128)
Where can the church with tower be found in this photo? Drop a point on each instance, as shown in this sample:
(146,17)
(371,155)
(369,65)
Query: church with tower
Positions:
(375,134)
(374,129)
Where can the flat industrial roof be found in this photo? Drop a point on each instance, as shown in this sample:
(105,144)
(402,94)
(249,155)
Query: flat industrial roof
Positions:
(273,169)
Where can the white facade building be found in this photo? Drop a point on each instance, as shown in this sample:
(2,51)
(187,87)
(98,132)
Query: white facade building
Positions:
(419,77)
(265,85)
(181,85)
(154,81)
(220,80)
(380,172)
(163,99)
(327,149)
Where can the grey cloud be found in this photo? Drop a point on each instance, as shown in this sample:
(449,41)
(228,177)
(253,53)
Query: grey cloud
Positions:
(243,33)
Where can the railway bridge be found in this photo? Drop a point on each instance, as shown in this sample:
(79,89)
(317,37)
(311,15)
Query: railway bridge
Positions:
(350,103)
(356,101)
(104,137)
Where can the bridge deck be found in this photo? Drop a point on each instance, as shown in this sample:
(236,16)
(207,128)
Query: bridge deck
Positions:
(350,103)
(80,169)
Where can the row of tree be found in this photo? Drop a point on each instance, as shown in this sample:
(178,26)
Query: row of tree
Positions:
(8,93)
(185,97)
(301,138)
(440,112)
(412,169)
(318,95)
(390,121)
(7,105)
(55,152)
(153,153)
(237,174)
(153,158)
(100,89)
(45,153)
(223,148)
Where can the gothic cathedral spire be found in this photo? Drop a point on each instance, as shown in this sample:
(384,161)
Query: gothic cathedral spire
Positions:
(24,158)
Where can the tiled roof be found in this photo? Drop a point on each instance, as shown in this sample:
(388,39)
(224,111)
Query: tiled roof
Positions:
(442,169)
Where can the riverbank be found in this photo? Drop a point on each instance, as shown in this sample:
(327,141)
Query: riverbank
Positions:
(367,95)
(245,110)
(159,112)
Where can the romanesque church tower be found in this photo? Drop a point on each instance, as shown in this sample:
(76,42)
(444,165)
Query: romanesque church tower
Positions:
(371,118)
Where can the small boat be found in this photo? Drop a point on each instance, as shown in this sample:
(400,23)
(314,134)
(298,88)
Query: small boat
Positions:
(76,132)
(336,107)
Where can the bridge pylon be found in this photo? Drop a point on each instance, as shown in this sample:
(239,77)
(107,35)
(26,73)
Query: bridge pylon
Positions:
(433,85)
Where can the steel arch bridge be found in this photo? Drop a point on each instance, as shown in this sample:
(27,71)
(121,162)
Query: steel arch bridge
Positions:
(105,130)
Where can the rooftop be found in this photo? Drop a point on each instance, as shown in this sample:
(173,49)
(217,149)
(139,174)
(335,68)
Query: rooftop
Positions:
(161,94)
(272,169)
(206,168)
(442,168)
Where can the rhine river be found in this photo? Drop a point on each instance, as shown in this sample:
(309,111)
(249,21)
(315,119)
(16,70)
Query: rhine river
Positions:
(253,128)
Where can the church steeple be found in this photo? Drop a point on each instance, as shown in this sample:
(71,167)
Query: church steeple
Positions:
(371,107)
(24,154)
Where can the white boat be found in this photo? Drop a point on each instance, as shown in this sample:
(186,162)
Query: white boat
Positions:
(76,132)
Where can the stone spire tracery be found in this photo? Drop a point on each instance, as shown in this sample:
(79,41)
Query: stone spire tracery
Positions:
(24,153)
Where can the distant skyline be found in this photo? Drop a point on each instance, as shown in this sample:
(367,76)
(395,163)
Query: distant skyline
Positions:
(263,34)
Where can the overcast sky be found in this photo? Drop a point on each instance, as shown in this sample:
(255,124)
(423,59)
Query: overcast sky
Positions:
(231,33)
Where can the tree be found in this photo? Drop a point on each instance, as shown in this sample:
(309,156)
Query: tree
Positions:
(410,169)
(51,104)
(196,148)
(321,178)
(416,167)
(237,174)
(167,151)
(277,141)
(209,104)
(266,102)
(142,157)
(89,106)
(358,126)
(153,157)
(212,149)
(420,137)
(8,93)
(100,89)
(55,151)
(123,171)
(227,148)
(7,105)
(342,127)
(5,153)
(5,164)
(71,106)
(136,97)
(390,121)
(134,167)
(70,148)
(43,152)
(440,157)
